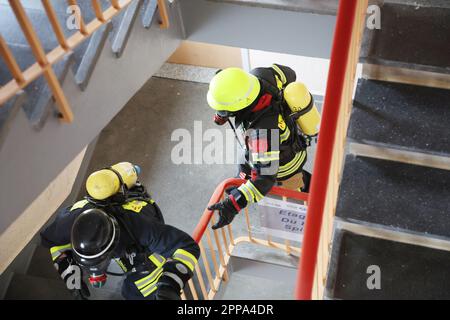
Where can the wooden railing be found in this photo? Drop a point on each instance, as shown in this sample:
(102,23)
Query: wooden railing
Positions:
(330,149)
(221,243)
(45,61)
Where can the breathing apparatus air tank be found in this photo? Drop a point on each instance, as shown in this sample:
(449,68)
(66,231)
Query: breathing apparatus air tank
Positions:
(301,103)
(105,183)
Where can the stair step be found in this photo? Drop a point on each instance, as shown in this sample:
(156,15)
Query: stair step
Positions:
(123,24)
(149,9)
(39,96)
(266,254)
(415,36)
(255,280)
(395,195)
(40,103)
(264,269)
(401,116)
(406,271)
(328,7)
(26,287)
(86,55)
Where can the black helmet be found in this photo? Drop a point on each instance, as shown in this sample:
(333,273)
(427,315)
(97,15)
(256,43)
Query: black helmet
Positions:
(95,235)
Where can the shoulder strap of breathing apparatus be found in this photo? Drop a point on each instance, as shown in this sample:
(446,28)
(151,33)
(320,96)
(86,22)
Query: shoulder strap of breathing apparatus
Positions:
(124,195)
(299,141)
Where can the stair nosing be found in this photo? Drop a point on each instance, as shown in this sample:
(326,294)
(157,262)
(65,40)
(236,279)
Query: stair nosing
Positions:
(396,153)
(379,231)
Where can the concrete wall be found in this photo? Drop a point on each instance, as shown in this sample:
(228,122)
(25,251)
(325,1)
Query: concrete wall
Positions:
(291,32)
(30,160)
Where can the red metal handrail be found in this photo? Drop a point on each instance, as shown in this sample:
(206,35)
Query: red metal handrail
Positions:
(319,184)
(233,182)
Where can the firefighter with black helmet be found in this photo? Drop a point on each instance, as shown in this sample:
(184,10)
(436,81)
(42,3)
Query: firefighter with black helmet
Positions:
(118,222)
(278,119)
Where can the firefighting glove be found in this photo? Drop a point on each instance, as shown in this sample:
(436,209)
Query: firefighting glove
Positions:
(228,208)
(174,277)
(71,274)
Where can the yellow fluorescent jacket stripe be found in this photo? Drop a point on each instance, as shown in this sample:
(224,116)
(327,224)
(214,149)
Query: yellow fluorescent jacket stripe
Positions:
(250,192)
(280,73)
(157,259)
(266,156)
(135,205)
(57,250)
(151,278)
(78,205)
(292,165)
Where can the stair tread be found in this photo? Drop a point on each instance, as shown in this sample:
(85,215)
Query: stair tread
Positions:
(255,286)
(395,195)
(26,287)
(412,36)
(263,269)
(87,54)
(401,116)
(149,9)
(406,271)
(91,46)
(123,24)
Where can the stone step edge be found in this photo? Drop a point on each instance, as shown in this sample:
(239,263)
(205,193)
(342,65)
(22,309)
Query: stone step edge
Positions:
(389,153)
(392,234)
(406,76)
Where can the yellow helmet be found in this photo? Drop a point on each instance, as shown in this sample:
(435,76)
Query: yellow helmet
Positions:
(233,89)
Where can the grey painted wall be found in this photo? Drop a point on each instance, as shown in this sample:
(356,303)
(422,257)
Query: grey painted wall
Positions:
(31,159)
(299,33)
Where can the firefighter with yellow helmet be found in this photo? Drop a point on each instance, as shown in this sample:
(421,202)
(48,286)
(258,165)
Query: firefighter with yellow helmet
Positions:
(278,118)
(118,222)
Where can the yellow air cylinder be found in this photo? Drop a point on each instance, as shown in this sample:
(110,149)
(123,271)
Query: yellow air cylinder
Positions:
(299,99)
(105,183)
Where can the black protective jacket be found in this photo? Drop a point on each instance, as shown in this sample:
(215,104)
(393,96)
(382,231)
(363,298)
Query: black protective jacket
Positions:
(144,237)
(274,149)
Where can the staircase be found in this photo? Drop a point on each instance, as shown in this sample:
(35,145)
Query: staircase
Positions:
(394,199)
